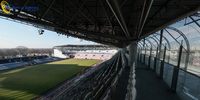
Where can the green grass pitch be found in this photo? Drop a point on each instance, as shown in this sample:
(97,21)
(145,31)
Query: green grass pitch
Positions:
(29,82)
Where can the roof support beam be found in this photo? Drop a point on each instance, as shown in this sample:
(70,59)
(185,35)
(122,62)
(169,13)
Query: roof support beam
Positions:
(118,15)
(145,17)
(54,27)
(106,13)
(79,8)
(141,16)
(94,19)
(47,10)
(54,9)
(186,14)
(86,38)
(22,7)
(160,9)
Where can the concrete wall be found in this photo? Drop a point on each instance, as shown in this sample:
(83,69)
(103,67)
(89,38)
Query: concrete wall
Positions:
(86,54)
(59,54)
(101,56)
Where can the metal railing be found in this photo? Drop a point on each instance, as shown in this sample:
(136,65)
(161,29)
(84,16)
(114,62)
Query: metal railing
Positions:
(184,83)
(100,83)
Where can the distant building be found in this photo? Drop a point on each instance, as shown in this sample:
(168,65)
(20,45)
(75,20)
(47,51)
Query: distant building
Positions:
(101,52)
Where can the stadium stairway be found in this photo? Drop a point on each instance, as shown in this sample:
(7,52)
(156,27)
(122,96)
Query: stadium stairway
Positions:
(150,87)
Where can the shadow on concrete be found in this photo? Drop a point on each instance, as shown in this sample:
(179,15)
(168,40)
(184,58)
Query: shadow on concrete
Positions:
(150,87)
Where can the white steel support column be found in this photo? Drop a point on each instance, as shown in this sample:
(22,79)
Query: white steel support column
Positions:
(132,49)
(131,90)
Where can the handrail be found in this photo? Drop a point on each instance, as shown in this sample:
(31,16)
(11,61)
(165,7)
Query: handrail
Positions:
(174,66)
(186,42)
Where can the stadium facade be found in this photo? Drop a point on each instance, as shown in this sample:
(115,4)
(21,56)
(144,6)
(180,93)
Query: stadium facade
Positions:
(101,52)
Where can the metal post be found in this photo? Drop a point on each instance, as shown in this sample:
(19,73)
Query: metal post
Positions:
(176,71)
(138,54)
(140,51)
(160,44)
(150,58)
(162,63)
(155,59)
(114,7)
(132,48)
(160,47)
(144,52)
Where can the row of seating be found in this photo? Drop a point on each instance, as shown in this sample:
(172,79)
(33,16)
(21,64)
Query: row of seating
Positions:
(114,78)
(19,59)
(12,65)
(100,84)
(21,63)
(104,84)
(45,60)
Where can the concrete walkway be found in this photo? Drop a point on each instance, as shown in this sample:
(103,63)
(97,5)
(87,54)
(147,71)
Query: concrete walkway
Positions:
(150,87)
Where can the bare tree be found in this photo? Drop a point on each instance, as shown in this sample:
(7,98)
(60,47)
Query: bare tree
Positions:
(21,51)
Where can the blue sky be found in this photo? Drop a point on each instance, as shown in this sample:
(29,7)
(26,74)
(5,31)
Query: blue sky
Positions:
(13,34)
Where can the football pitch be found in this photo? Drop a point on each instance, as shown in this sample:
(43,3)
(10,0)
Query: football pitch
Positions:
(29,82)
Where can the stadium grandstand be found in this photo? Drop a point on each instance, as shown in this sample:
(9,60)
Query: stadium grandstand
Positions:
(22,56)
(150,50)
(101,52)
(25,61)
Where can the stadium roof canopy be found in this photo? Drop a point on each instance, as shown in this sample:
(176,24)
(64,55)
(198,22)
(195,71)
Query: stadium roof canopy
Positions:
(113,22)
(105,46)
(84,47)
